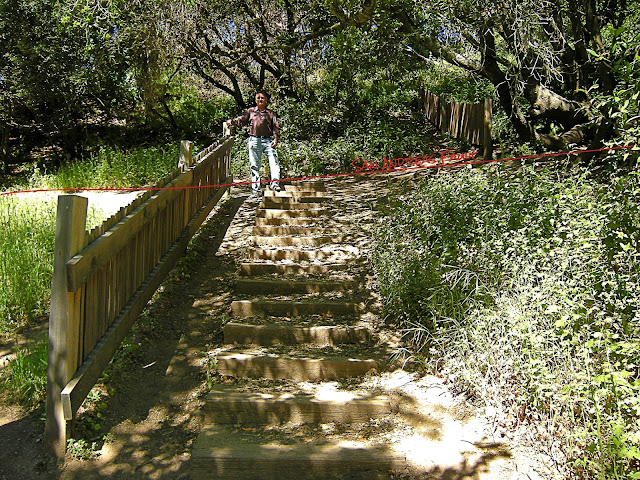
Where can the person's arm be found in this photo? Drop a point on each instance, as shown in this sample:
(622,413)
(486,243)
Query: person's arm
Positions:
(276,131)
(240,121)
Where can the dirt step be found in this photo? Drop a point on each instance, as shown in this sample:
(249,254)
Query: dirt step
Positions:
(288,213)
(289,335)
(268,286)
(227,405)
(250,308)
(236,454)
(292,230)
(285,367)
(256,269)
(301,241)
(272,203)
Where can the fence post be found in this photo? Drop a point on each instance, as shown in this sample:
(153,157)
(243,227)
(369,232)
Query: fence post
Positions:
(64,328)
(226,129)
(186,155)
(487,140)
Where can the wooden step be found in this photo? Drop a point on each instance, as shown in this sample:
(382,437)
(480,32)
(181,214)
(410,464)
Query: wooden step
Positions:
(297,241)
(293,230)
(287,213)
(266,335)
(339,254)
(226,405)
(257,269)
(270,203)
(304,187)
(261,286)
(288,193)
(278,308)
(291,198)
(300,369)
(234,454)
(263,222)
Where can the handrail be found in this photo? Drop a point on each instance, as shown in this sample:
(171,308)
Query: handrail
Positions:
(102,280)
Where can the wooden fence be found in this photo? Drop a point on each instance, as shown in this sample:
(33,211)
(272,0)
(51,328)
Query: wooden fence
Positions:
(104,278)
(469,121)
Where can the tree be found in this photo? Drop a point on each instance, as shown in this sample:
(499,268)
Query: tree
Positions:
(548,55)
(243,45)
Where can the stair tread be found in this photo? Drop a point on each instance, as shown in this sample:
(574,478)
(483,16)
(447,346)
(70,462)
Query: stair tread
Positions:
(270,446)
(283,334)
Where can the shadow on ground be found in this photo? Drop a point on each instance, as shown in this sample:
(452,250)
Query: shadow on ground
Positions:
(151,420)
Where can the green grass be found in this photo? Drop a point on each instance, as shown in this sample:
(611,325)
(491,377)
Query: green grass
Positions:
(27,241)
(112,168)
(28,224)
(26,259)
(526,288)
(25,378)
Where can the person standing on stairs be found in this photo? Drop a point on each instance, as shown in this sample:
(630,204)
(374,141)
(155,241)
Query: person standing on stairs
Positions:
(264,134)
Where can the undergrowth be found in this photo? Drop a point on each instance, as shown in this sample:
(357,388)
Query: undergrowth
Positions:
(27,241)
(25,377)
(526,287)
(111,168)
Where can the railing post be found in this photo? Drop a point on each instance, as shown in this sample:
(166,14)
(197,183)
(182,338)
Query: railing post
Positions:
(186,155)
(64,328)
(226,129)
(487,140)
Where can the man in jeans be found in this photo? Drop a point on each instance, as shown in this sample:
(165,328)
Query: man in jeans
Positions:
(264,133)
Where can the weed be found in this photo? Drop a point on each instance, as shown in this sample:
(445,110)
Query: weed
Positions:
(82,449)
(210,364)
(527,287)
(25,378)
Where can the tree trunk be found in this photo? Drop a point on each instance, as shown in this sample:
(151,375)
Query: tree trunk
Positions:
(4,148)
(550,105)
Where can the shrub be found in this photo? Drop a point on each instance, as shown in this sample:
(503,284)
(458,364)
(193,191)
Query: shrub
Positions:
(528,286)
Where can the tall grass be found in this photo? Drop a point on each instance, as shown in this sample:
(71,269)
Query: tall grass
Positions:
(112,168)
(28,224)
(25,378)
(26,259)
(526,287)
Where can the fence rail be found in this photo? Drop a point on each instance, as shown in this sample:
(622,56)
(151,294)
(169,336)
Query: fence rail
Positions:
(469,121)
(103,279)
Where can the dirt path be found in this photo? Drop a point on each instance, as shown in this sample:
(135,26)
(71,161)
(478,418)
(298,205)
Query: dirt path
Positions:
(149,405)
(147,413)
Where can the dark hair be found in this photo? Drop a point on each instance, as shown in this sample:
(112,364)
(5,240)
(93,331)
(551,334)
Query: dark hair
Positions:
(258,92)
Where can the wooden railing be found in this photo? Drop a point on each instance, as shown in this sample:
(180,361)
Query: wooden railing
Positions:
(104,278)
(469,121)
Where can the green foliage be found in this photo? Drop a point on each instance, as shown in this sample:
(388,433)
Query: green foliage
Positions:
(112,168)
(455,85)
(621,106)
(28,224)
(26,259)
(25,377)
(200,117)
(81,449)
(528,286)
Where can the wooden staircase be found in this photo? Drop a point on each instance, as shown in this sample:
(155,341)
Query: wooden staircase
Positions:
(297,319)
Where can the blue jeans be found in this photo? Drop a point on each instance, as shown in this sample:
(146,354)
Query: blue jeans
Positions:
(256,147)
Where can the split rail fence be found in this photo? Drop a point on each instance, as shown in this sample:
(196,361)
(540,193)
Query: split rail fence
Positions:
(469,121)
(103,279)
